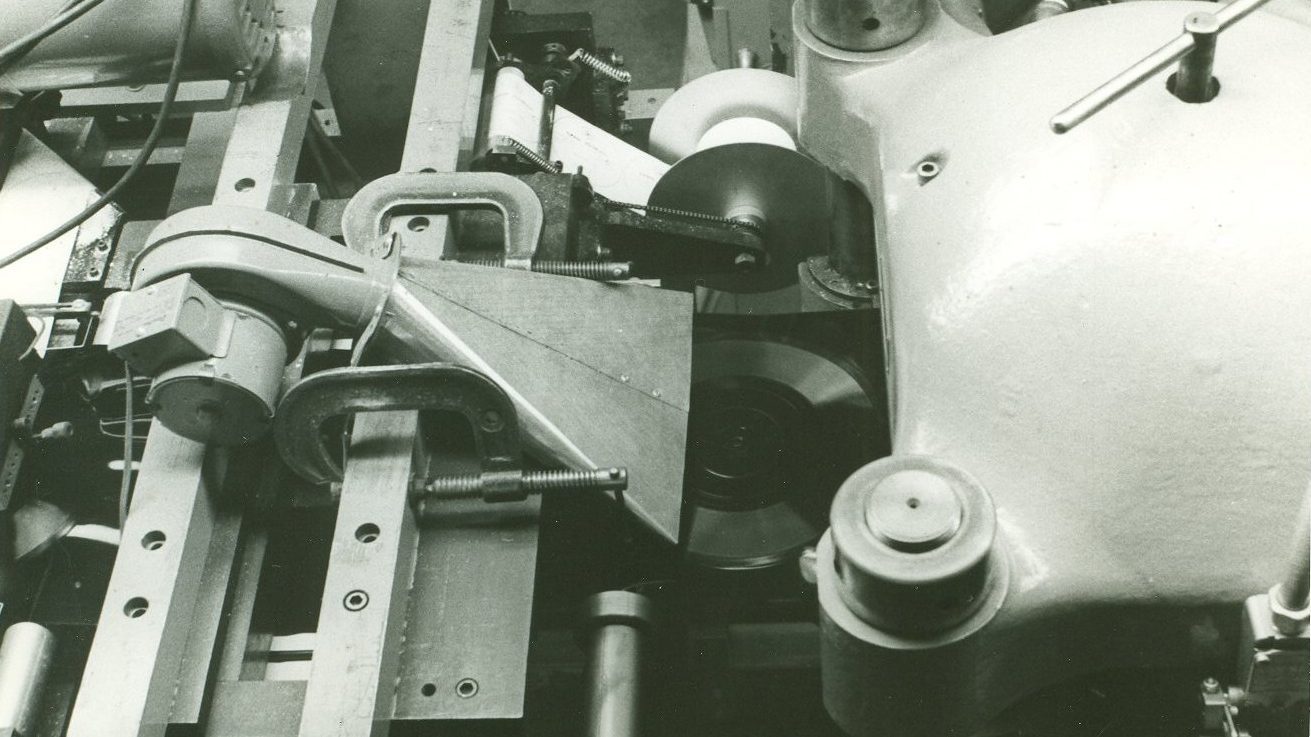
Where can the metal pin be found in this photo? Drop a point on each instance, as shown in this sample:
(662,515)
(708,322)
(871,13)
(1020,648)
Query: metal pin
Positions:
(1126,81)
(1193,82)
(546,126)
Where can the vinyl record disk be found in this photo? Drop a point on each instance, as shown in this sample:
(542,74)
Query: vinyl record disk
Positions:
(773,432)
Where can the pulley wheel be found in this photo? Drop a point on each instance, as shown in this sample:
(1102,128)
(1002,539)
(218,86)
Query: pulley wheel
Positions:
(788,191)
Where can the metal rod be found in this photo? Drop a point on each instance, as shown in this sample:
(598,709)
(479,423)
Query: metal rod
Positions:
(616,622)
(1126,81)
(1194,82)
(25,655)
(1295,587)
(546,126)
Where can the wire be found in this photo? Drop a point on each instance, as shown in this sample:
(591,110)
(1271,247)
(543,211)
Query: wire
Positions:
(129,413)
(22,46)
(143,156)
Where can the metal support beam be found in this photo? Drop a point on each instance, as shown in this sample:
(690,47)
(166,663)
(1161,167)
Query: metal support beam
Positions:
(138,664)
(466,643)
(362,616)
(132,670)
(447,95)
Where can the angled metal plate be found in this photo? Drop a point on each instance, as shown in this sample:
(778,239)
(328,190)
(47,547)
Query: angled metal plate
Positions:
(609,365)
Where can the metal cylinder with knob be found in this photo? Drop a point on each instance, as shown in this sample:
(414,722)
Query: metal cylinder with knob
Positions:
(616,628)
(913,538)
(908,573)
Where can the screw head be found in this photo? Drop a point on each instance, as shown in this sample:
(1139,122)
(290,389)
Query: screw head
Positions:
(355,600)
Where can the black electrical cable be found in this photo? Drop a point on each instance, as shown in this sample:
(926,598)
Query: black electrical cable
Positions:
(22,46)
(143,156)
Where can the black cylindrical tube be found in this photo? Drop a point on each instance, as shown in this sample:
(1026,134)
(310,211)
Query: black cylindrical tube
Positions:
(1194,81)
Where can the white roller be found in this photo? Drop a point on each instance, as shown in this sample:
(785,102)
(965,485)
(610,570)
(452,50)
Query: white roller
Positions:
(701,106)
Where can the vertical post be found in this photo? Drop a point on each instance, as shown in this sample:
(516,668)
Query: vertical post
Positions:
(1194,81)
(616,629)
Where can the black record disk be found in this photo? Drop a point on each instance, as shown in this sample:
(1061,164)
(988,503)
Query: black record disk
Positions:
(774,429)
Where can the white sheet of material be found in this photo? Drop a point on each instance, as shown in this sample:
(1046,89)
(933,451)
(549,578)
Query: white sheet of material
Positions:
(616,169)
(41,192)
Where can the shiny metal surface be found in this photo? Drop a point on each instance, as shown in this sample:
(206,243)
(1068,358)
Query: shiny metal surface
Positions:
(25,655)
(615,624)
(783,190)
(744,511)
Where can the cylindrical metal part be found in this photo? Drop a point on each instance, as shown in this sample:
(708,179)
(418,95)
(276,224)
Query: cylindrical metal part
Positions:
(131,41)
(864,25)
(913,538)
(1295,588)
(25,655)
(1194,81)
(851,252)
(546,126)
(616,623)
(226,399)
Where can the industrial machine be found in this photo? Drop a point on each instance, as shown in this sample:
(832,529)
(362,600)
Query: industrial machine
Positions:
(912,368)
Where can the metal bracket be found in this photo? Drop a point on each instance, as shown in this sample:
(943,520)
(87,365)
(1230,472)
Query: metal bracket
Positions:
(309,404)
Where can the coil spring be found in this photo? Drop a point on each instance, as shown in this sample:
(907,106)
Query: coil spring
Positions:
(594,270)
(531,156)
(596,64)
(684,214)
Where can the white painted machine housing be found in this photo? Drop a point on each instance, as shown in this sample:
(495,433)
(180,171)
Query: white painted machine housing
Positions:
(1110,329)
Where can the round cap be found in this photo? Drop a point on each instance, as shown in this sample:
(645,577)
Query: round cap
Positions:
(913,539)
(913,510)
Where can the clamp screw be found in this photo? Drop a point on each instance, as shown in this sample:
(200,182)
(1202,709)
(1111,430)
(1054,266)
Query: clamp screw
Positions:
(511,486)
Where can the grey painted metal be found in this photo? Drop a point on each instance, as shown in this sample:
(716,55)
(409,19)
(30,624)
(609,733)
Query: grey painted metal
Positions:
(128,40)
(264,708)
(137,656)
(209,619)
(25,655)
(265,145)
(207,142)
(446,108)
(444,113)
(462,628)
(169,648)
(435,386)
(362,618)
(459,627)
(364,221)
